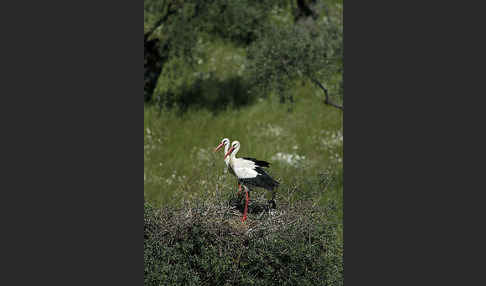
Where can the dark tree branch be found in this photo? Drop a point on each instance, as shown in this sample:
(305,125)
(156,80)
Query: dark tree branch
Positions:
(304,10)
(170,11)
(326,100)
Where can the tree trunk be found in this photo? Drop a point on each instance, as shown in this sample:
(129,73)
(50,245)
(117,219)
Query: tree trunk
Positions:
(326,99)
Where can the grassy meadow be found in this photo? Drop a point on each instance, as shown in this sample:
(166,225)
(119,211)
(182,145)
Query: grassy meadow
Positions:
(303,142)
(193,234)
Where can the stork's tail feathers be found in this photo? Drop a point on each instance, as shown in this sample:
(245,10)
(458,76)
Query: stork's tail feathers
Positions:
(258,163)
(263,180)
(269,182)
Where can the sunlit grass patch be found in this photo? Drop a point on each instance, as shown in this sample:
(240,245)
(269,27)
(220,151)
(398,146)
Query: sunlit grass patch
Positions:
(179,162)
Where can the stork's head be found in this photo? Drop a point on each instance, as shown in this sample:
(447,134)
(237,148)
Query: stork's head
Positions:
(224,142)
(235,146)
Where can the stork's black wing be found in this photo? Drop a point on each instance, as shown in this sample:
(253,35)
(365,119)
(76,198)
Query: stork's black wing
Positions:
(262,180)
(259,163)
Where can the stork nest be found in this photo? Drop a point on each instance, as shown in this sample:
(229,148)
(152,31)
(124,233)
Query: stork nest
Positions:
(264,216)
(206,240)
(254,206)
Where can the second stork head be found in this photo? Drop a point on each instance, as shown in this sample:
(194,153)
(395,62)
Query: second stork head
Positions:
(235,147)
(225,142)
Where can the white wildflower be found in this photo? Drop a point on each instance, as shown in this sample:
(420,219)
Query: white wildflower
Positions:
(274,130)
(291,159)
(203,155)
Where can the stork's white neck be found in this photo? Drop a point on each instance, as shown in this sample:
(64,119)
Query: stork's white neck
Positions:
(232,156)
(226,148)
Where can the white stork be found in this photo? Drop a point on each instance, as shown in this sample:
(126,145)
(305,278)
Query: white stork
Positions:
(249,172)
(226,143)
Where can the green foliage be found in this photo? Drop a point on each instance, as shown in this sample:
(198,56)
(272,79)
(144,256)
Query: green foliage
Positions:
(202,57)
(309,48)
(239,21)
(172,29)
(179,23)
(206,244)
(214,83)
(153,10)
(175,27)
(306,50)
(179,162)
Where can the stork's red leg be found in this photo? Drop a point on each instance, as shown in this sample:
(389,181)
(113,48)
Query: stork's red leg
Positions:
(239,188)
(246,206)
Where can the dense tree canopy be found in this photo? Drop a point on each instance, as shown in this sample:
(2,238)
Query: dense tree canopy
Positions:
(284,42)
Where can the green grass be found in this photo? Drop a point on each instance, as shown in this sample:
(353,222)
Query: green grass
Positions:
(179,163)
(191,234)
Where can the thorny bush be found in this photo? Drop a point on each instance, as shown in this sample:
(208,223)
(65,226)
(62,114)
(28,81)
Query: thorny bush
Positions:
(205,243)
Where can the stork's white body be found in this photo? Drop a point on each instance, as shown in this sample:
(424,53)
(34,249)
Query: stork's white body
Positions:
(249,171)
(242,168)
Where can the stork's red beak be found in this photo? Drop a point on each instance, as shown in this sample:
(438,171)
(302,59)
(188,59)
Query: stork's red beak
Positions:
(219,147)
(229,152)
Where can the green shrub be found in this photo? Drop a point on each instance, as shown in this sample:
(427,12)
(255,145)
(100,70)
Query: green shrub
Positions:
(206,244)
(310,50)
